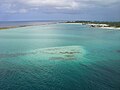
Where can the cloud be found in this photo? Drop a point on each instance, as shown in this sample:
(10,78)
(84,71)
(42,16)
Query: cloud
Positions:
(69,3)
(24,6)
(57,4)
(103,2)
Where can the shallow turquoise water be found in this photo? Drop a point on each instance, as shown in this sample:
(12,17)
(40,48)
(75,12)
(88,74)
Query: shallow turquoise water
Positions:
(59,57)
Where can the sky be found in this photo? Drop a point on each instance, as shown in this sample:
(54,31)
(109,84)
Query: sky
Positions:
(24,10)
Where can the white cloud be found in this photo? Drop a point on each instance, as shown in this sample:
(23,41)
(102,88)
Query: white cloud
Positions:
(23,10)
(58,4)
(69,4)
(23,6)
(100,2)
(17,11)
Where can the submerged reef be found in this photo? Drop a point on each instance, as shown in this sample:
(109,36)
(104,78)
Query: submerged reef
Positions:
(53,53)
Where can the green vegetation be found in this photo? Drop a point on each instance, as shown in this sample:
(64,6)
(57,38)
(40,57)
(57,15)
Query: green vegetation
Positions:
(111,24)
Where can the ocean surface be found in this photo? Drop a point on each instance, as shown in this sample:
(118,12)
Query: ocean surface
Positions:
(59,57)
(24,23)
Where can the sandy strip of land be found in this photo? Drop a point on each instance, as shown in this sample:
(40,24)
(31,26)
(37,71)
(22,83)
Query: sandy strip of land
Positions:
(9,27)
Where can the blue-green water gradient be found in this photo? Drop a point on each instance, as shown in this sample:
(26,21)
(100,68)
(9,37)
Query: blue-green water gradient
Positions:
(26,62)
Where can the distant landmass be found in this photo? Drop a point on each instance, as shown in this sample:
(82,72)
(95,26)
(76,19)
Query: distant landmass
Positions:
(98,23)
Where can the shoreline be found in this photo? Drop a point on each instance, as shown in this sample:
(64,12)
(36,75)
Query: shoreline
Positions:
(99,24)
(102,26)
(110,28)
(10,27)
(20,26)
(92,25)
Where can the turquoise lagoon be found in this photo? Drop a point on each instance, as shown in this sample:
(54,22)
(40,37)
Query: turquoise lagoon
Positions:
(59,57)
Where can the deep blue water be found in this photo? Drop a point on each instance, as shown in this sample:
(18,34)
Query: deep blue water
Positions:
(59,57)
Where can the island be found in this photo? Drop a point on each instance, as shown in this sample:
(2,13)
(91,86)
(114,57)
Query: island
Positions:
(9,27)
(99,24)
(26,25)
